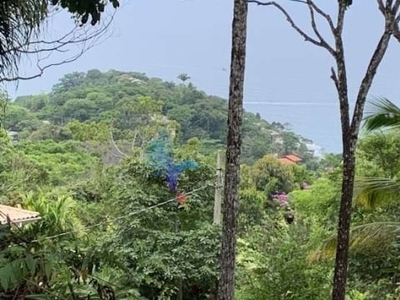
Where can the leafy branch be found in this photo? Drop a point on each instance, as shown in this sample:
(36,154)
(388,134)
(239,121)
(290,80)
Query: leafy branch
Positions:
(42,50)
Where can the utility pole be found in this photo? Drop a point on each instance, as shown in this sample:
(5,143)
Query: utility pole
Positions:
(179,281)
(219,184)
(219,188)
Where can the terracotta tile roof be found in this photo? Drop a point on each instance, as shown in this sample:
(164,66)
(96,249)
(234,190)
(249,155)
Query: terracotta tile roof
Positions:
(293,157)
(286,160)
(17,215)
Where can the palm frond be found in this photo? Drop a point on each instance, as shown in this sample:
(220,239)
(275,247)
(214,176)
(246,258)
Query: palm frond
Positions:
(372,238)
(20,20)
(58,214)
(383,114)
(372,192)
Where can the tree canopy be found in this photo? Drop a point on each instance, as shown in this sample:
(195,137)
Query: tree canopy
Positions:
(111,227)
(136,105)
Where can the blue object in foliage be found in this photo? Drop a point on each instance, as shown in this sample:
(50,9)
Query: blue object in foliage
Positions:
(159,155)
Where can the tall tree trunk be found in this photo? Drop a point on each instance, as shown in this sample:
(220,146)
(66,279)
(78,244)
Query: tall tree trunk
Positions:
(350,132)
(342,251)
(350,127)
(226,284)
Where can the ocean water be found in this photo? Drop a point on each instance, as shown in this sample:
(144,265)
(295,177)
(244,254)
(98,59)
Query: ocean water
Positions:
(317,122)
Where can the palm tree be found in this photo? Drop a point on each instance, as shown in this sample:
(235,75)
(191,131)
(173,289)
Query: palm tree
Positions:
(46,243)
(20,21)
(183,77)
(383,114)
(372,192)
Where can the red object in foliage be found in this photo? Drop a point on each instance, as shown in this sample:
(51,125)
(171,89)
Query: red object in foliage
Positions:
(181,198)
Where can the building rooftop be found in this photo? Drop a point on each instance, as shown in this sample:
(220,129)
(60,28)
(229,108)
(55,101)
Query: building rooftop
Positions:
(290,159)
(286,160)
(17,215)
(293,157)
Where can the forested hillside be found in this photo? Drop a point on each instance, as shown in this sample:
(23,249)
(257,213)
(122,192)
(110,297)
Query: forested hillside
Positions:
(131,100)
(122,169)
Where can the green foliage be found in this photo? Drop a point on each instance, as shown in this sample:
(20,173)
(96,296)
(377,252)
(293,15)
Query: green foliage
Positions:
(59,213)
(273,265)
(377,154)
(383,114)
(109,222)
(62,161)
(159,243)
(377,192)
(17,171)
(137,107)
(319,204)
(252,209)
(20,21)
(89,131)
(268,174)
(85,8)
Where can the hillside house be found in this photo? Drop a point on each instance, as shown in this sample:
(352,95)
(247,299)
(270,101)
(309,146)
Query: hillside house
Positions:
(14,136)
(290,159)
(276,137)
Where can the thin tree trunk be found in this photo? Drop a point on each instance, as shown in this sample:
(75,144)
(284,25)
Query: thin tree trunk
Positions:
(343,237)
(350,137)
(390,11)
(226,284)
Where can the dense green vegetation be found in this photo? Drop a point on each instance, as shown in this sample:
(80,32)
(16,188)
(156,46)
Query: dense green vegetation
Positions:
(136,104)
(112,229)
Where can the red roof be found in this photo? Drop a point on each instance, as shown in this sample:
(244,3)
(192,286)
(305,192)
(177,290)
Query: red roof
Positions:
(293,157)
(285,160)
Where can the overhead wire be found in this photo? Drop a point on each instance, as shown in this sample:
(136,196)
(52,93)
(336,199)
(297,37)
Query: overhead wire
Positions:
(127,215)
(110,220)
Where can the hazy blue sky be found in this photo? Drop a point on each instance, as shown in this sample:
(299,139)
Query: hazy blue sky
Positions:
(287,79)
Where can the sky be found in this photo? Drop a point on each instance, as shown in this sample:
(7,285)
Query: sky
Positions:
(287,79)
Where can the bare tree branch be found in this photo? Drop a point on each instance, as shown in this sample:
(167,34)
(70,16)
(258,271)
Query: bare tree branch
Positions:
(134,140)
(320,43)
(366,82)
(323,42)
(396,29)
(42,50)
(120,153)
(381,6)
(376,59)
(395,8)
(342,6)
(334,77)
(41,69)
(323,14)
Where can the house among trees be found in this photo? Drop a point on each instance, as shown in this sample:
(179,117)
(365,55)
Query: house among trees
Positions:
(276,137)
(290,159)
(17,216)
(14,136)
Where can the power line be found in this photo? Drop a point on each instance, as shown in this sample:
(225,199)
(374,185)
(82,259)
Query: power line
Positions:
(104,222)
(127,215)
